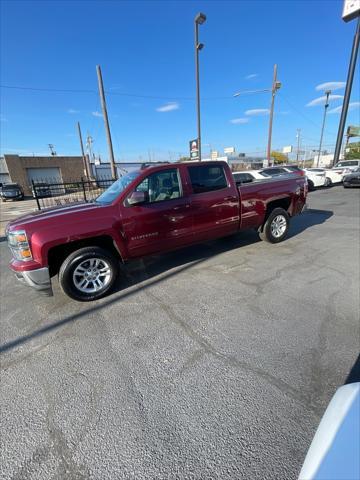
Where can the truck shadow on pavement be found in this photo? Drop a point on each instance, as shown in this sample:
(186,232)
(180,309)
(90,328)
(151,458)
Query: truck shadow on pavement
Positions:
(144,273)
(308,219)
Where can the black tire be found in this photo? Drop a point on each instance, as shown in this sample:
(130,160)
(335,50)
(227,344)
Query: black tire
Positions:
(267,232)
(328,182)
(66,277)
(311,186)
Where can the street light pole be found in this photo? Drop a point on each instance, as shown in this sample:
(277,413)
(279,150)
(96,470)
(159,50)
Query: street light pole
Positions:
(349,82)
(298,145)
(327,93)
(199,20)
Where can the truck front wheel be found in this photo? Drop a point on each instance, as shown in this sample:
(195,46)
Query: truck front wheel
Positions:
(88,273)
(276,226)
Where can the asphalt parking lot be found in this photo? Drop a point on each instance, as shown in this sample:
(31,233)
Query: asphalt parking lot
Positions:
(216,361)
(12,209)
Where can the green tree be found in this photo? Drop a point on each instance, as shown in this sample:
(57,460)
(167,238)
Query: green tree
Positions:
(279,157)
(184,159)
(353,151)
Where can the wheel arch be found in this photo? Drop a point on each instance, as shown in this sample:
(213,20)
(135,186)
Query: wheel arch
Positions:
(58,253)
(284,203)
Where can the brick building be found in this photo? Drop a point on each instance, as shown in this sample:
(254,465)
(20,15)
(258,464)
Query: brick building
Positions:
(56,169)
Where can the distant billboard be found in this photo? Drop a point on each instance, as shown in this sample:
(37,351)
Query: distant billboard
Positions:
(194,149)
(214,154)
(353,131)
(351,10)
(287,149)
(229,150)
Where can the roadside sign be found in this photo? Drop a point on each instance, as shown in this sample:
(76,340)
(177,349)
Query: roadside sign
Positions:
(353,131)
(214,154)
(351,10)
(229,150)
(265,163)
(287,149)
(194,149)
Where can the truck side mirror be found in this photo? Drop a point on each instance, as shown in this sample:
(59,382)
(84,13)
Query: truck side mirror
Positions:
(137,198)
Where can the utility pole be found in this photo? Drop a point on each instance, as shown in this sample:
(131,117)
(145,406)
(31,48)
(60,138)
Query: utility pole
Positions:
(52,151)
(304,157)
(349,82)
(106,120)
(89,142)
(298,144)
(327,93)
(275,86)
(82,152)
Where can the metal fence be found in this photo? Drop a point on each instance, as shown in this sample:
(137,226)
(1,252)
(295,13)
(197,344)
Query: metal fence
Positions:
(50,193)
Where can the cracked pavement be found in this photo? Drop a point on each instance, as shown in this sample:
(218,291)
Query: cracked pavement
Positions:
(216,361)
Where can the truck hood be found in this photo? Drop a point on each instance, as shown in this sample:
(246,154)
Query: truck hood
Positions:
(60,214)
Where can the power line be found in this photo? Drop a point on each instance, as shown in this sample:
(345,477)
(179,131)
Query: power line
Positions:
(303,115)
(124,94)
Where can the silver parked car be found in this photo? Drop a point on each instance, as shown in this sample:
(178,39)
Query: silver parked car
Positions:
(352,179)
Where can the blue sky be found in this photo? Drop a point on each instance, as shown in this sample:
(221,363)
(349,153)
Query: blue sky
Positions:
(146,53)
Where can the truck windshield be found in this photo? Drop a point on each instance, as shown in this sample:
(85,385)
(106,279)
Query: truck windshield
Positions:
(117,187)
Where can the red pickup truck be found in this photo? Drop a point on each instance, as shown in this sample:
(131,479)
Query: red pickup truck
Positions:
(155,209)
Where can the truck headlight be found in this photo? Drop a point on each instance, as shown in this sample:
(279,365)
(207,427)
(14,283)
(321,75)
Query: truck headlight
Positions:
(19,245)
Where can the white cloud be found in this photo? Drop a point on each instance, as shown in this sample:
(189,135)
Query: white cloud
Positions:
(169,107)
(237,121)
(72,111)
(330,86)
(97,114)
(258,111)
(321,100)
(252,75)
(352,106)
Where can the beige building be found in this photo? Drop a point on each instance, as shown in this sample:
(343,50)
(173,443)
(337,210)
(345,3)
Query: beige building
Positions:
(52,169)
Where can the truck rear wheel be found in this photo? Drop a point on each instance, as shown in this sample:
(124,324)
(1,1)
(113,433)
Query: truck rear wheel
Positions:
(276,226)
(88,273)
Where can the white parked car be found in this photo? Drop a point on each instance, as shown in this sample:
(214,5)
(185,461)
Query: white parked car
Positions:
(315,179)
(248,176)
(332,176)
(334,451)
(346,166)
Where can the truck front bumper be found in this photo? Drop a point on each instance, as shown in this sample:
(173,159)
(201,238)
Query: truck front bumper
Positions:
(38,279)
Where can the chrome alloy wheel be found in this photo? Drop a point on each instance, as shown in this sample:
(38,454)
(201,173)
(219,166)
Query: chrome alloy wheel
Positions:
(278,226)
(92,275)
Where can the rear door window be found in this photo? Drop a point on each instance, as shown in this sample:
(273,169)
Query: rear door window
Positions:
(207,178)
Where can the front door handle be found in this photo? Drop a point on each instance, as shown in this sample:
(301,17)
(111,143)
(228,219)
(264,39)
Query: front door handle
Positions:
(178,207)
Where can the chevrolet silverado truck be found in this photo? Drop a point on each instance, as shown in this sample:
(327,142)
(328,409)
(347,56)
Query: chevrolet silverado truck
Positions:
(148,211)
